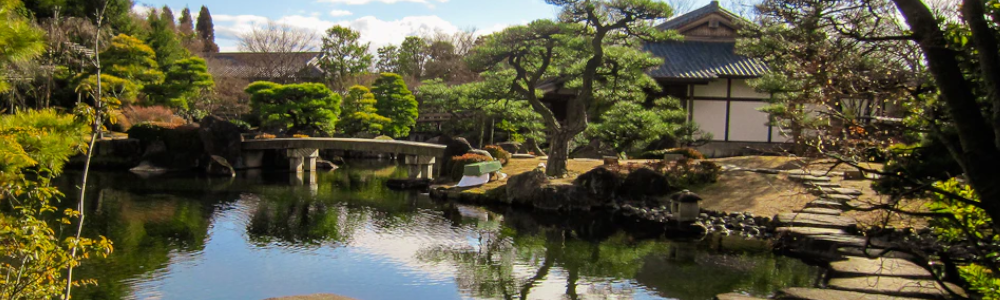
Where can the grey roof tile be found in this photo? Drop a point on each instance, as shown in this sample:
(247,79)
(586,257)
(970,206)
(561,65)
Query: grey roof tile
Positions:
(702,60)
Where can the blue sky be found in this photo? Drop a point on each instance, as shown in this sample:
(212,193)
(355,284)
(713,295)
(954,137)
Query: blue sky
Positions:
(380,22)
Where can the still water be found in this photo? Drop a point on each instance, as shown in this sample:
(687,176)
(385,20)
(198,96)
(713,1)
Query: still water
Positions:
(273,234)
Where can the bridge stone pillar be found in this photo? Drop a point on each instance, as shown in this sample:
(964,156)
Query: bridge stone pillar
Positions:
(302,159)
(420,166)
(253,159)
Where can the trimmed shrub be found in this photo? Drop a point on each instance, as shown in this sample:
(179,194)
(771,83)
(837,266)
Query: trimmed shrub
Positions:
(384,138)
(458,163)
(300,136)
(689,153)
(498,153)
(264,136)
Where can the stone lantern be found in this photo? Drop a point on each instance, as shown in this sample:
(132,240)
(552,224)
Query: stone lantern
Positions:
(684,206)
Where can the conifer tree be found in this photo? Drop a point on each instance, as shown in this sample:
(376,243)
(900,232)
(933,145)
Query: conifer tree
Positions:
(206,30)
(396,102)
(359,114)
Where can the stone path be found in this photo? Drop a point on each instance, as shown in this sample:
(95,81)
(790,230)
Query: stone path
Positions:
(819,231)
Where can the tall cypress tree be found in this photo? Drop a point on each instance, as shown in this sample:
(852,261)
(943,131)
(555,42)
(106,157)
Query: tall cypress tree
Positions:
(167,16)
(206,30)
(186,25)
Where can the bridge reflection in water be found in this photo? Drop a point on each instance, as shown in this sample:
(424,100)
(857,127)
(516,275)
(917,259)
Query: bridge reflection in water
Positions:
(302,153)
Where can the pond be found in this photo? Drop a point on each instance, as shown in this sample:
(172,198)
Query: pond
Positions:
(260,235)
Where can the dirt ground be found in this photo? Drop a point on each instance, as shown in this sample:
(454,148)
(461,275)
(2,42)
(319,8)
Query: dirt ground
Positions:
(759,194)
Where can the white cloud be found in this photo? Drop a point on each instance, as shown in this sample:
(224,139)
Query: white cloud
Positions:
(361,2)
(376,31)
(340,13)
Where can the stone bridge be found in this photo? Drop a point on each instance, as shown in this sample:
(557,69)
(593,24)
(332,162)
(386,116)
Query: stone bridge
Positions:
(303,152)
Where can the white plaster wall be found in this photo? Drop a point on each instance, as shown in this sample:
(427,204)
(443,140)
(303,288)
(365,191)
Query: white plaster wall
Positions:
(711,117)
(715,88)
(746,123)
(777,137)
(742,90)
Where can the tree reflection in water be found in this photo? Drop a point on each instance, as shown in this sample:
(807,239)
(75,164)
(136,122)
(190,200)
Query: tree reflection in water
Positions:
(485,253)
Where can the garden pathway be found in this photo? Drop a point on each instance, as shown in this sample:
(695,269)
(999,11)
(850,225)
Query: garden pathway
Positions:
(819,231)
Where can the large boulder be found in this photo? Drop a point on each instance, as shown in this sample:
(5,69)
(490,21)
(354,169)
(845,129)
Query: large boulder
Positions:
(222,138)
(645,184)
(457,146)
(600,183)
(594,150)
(522,188)
(512,147)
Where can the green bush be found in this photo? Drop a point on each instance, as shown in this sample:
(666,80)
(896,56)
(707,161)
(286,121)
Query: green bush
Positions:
(457,165)
(686,174)
(498,153)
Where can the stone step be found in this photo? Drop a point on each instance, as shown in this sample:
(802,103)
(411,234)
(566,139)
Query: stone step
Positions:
(873,252)
(824,203)
(838,197)
(820,211)
(837,191)
(798,293)
(839,240)
(735,296)
(806,231)
(814,173)
(894,286)
(808,178)
(824,184)
(883,266)
(815,220)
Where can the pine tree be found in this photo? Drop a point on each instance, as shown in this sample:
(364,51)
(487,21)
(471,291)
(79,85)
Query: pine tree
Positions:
(359,114)
(396,102)
(163,39)
(206,30)
(167,16)
(186,23)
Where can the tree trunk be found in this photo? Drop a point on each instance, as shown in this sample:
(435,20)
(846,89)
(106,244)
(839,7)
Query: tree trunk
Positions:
(558,153)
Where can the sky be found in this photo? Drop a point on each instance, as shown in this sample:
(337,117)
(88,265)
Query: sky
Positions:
(380,22)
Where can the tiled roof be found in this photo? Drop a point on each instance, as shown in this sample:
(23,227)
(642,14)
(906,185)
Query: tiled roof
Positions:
(702,60)
(680,21)
(264,65)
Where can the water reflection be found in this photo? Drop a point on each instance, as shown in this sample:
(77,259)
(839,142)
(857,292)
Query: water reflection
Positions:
(270,234)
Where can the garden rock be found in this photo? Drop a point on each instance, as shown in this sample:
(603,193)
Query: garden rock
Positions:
(599,182)
(594,150)
(222,138)
(645,183)
(454,147)
(524,187)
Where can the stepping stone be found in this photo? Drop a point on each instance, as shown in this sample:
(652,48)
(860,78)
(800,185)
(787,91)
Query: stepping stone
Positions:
(815,220)
(824,294)
(840,240)
(846,191)
(882,267)
(823,203)
(836,191)
(873,252)
(839,197)
(735,296)
(820,211)
(824,184)
(806,231)
(807,178)
(894,286)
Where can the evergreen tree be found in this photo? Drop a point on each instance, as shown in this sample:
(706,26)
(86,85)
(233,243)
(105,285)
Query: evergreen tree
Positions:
(185,30)
(19,39)
(186,81)
(206,31)
(167,16)
(163,39)
(359,113)
(343,55)
(395,102)
(298,108)
(186,23)
(388,59)
(131,59)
